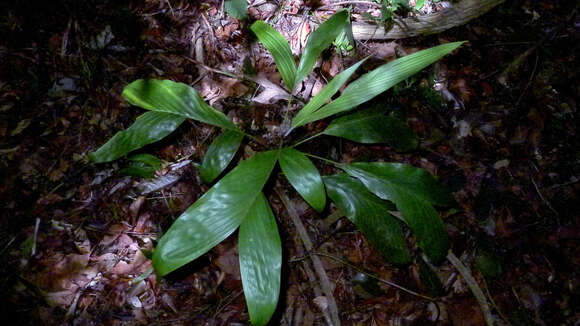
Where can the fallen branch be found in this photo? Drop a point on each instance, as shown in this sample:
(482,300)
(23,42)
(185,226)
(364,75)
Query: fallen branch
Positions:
(475,289)
(456,15)
(318,267)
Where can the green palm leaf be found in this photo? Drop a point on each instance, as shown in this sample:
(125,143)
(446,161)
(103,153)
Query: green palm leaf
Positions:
(176,98)
(260,261)
(371,215)
(280,50)
(219,154)
(215,215)
(372,126)
(148,128)
(379,80)
(413,191)
(318,41)
(324,95)
(304,177)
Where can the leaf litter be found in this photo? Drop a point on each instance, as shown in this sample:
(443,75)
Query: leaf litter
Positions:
(504,143)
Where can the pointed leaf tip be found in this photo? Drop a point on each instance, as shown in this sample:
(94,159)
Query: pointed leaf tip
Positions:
(277,45)
(260,261)
(304,177)
(176,98)
(215,215)
(219,154)
(371,216)
(148,128)
(414,191)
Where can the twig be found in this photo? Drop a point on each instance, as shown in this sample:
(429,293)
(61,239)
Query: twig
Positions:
(340,3)
(307,139)
(229,74)
(323,159)
(572,181)
(543,198)
(36,226)
(529,81)
(316,289)
(318,267)
(475,289)
(387,282)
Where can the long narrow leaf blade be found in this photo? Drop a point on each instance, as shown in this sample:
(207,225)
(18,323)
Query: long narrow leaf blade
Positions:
(324,95)
(219,154)
(177,98)
(382,78)
(414,191)
(404,178)
(304,177)
(373,126)
(280,50)
(319,40)
(215,215)
(260,261)
(148,128)
(370,214)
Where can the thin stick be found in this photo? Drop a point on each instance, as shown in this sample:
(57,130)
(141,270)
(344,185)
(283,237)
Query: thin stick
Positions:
(284,121)
(542,197)
(323,159)
(475,289)
(318,267)
(340,3)
(308,139)
(389,283)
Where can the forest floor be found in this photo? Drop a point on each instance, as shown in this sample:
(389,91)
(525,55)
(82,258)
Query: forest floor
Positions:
(497,120)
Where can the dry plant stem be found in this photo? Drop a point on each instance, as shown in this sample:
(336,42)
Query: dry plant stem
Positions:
(322,159)
(542,197)
(475,289)
(352,2)
(456,15)
(307,139)
(389,283)
(316,289)
(318,267)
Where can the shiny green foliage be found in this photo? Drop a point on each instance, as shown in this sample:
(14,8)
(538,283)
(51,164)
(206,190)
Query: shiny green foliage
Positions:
(373,126)
(237,9)
(177,98)
(148,128)
(381,79)
(414,191)
(219,154)
(142,165)
(371,215)
(215,215)
(260,261)
(319,40)
(277,45)
(304,177)
(324,95)
(366,194)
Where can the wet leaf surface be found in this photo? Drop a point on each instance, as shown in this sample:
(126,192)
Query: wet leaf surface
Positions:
(497,122)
